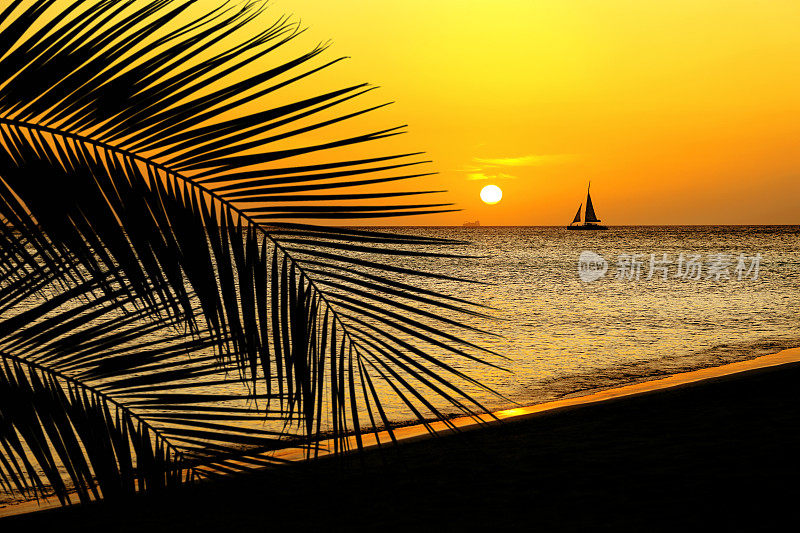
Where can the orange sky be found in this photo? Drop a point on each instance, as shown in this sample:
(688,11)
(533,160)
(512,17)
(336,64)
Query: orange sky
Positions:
(680,112)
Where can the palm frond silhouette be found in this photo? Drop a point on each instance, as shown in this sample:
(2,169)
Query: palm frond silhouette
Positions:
(159,296)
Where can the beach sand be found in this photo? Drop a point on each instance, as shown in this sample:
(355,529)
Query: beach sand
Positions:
(714,449)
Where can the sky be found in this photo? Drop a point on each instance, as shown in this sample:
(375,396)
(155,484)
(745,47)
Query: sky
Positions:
(679,112)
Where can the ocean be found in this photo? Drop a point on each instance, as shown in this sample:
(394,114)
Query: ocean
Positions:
(672,299)
(649,301)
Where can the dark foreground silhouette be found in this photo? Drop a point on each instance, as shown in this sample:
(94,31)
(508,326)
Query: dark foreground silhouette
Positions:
(716,455)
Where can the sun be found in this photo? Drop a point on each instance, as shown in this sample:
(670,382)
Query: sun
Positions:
(491,194)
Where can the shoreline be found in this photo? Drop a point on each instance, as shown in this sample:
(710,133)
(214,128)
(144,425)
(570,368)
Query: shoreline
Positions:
(419,432)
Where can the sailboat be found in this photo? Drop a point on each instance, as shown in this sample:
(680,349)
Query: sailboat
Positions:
(590,220)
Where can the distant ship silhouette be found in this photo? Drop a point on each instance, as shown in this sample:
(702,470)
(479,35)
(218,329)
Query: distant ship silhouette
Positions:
(475,224)
(590,220)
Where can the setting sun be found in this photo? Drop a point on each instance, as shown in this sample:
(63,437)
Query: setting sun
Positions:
(491,194)
(700,97)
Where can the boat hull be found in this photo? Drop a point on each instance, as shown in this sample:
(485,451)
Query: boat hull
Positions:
(587,227)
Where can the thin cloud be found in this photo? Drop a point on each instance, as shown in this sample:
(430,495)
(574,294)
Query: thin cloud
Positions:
(483,176)
(500,168)
(523,161)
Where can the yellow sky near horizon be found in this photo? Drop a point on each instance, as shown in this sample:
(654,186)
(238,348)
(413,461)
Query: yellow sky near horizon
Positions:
(680,112)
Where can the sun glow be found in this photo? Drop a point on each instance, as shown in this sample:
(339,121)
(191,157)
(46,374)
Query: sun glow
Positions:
(548,92)
(491,194)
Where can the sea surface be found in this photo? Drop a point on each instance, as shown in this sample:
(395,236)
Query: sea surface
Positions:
(650,301)
(734,295)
